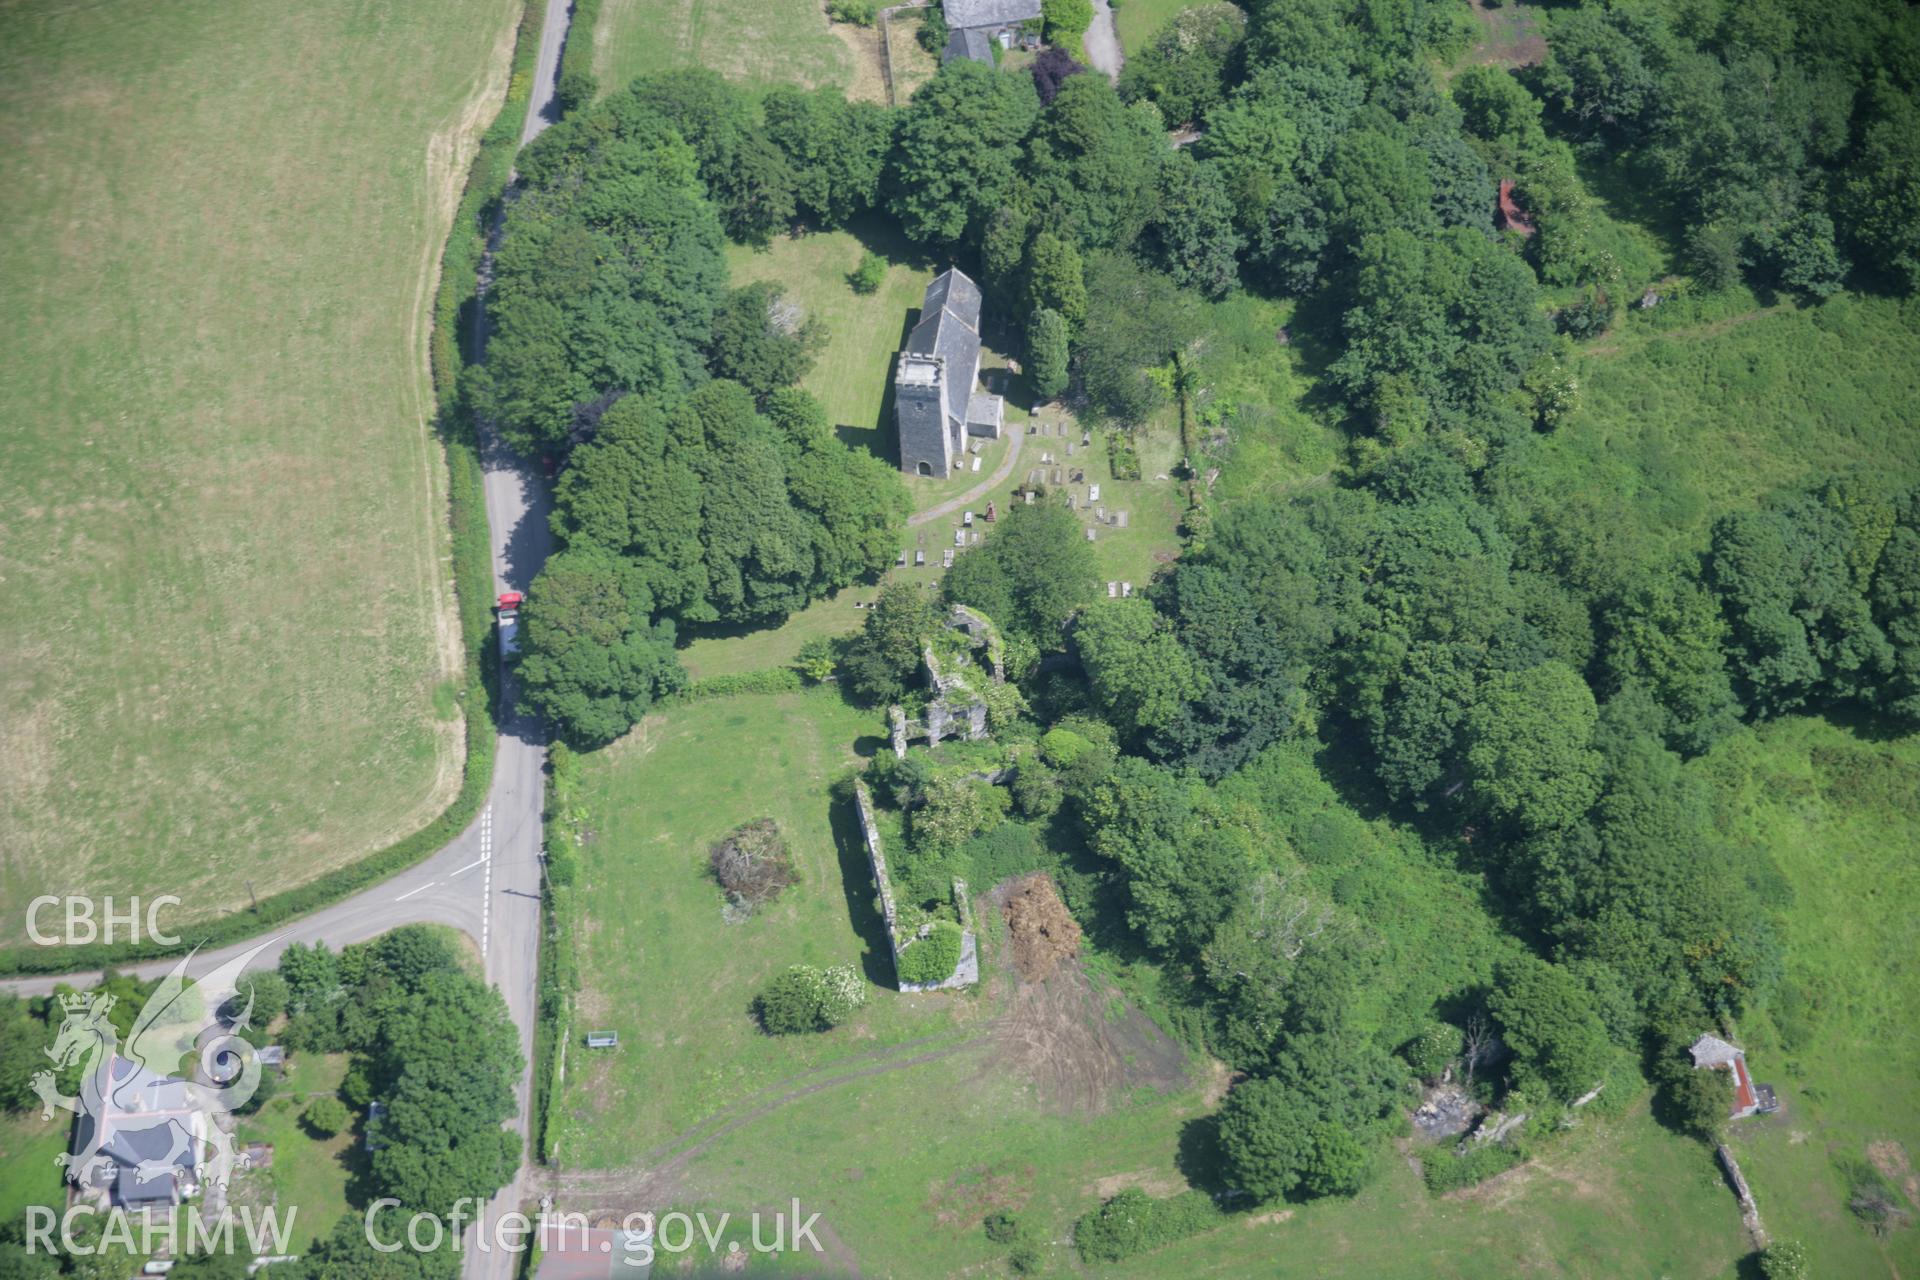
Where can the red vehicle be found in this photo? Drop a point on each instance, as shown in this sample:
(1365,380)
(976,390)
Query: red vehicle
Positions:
(507,614)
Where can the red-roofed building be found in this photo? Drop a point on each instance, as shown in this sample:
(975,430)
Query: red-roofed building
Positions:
(1716,1054)
(571,1250)
(1507,213)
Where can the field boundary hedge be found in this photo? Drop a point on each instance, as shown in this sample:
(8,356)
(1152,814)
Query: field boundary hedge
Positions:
(472,573)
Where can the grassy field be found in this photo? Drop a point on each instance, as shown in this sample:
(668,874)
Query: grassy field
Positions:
(1836,812)
(659,963)
(1268,442)
(913,65)
(914,1205)
(760,42)
(1695,409)
(230,633)
(28,1145)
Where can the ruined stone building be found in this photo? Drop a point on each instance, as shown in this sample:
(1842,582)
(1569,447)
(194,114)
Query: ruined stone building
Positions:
(958,666)
(935,401)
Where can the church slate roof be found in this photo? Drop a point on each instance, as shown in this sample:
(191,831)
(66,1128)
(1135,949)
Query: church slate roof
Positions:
(950,327)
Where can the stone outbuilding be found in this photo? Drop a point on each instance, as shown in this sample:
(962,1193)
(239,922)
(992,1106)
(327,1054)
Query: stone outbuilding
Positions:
(1714,1054)
(977,25)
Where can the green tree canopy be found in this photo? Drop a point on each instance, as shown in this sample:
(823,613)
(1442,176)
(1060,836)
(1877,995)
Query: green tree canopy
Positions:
(884,662)
(1529,739)
(607,278)
(1032,571)
(1546,1017)
(593,659)
(1141,676)
(958,151)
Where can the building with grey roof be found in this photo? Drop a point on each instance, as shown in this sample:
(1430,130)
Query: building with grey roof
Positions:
(935,403)
(976,24)
(149,1138)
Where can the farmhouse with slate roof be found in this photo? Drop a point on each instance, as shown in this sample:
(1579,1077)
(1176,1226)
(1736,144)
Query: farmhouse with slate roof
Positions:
(150,1134)
(934,402)
(976,24)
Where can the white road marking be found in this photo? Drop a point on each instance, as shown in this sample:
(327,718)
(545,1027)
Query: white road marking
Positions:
(422,889)
(470,866)
(486,883)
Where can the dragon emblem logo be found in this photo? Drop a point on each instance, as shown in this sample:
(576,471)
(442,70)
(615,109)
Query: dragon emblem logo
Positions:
(152,1109)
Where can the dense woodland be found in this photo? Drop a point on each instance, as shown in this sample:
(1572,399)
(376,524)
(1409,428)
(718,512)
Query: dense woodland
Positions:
(1520,682)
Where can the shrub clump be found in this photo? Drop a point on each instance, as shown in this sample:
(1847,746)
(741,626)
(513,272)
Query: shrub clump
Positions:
(1444,1173)
(933,958)
(325,1116)
(860,13)
(752,866)
(805,998)
(869,275)
(1432,1051)
(1134,1222)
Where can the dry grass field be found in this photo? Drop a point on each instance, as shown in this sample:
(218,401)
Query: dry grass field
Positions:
(760,42)
(229,633)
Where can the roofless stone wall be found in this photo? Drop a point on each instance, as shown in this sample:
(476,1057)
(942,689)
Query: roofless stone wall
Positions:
(968,971)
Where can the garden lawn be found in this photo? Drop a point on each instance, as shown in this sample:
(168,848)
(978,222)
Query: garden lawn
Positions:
(309,1174)
(1836,810)
(231,649)
(658,963)
(760,42)
(1139,21)
(853,372)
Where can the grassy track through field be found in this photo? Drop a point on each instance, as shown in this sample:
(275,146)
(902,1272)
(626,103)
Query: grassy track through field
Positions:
(231,647)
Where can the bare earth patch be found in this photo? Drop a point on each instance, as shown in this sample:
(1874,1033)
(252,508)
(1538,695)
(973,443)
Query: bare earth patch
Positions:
(965,1199)
(1890,1158)
(1043,933)
(1078,1046)
(1509,36)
